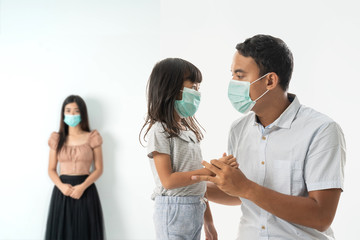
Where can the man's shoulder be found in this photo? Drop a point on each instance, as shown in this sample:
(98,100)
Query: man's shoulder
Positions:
(317,123)
(313,117)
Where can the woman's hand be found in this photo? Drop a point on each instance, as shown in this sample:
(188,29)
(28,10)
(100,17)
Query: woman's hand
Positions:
(66,189)
(78,191)
(210,231)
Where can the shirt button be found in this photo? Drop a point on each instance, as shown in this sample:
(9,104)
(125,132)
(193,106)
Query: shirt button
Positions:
(262,162)
(263,138)
(263,227)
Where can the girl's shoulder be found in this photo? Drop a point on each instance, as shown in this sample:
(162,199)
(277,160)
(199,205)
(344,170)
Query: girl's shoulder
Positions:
(158,128)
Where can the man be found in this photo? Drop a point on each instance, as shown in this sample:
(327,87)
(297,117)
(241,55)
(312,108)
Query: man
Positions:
(291,158)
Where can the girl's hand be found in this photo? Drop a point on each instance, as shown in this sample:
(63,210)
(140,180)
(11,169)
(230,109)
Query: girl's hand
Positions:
(78,191)
(229,160)
(210,231)
(208,172)
(66,189)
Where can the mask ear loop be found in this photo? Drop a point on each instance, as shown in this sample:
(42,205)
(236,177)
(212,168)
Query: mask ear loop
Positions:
(259,78)
(265,91)
(261,95)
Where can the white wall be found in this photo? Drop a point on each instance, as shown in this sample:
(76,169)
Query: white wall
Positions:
(105,50)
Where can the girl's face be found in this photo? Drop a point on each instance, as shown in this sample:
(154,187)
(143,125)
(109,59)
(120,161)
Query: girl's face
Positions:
(72,109)
(191,85)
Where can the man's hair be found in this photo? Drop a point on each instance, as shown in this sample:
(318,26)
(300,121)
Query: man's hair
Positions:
(271,55)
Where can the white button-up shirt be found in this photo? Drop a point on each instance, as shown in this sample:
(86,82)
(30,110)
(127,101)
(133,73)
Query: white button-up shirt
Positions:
(303,150)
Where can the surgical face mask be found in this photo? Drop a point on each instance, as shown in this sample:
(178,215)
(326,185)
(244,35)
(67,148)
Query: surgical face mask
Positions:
(72,120)
(189,104)
(239,95)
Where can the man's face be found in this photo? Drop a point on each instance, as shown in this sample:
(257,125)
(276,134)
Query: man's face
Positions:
(246,69)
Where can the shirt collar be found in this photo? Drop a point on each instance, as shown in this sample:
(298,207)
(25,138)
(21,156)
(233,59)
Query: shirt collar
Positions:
(188,136)
(287,117)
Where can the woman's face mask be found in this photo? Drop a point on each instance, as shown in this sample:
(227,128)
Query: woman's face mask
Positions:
(72,120)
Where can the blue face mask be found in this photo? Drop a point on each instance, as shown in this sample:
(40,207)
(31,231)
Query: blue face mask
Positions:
(72,120)
(189,104)
(239,95)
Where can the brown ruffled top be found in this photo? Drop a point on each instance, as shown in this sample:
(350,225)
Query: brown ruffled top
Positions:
(76,159)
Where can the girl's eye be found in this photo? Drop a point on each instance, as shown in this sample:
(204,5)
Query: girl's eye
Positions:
(195,87)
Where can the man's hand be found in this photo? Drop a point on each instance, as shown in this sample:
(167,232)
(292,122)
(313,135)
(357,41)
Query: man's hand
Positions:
(228,179)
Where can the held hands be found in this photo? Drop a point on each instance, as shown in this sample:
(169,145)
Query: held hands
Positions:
(77,192)
(229,179)
(66,189)
(72,191)
(229,160)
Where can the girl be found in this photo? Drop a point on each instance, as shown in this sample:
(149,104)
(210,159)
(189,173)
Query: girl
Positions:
(174,151)
(75,210)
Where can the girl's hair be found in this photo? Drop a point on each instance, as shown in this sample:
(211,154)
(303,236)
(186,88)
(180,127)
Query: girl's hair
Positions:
(163,88)
(64,128)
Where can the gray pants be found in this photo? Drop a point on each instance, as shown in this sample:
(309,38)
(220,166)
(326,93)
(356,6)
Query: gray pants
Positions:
(179,218)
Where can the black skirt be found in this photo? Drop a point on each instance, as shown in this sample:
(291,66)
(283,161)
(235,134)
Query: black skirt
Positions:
(75,219)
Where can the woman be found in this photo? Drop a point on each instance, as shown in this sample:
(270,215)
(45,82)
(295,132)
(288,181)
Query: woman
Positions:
(75,210)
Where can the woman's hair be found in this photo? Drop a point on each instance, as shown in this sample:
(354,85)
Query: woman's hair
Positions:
(64,128)
(163,89)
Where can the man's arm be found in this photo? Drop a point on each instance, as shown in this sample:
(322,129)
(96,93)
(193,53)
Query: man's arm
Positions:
(214,194)
(315,211)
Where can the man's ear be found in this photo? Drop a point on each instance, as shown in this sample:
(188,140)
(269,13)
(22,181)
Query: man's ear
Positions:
(272,81)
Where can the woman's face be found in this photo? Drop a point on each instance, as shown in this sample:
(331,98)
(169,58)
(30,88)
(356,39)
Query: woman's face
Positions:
(71,109)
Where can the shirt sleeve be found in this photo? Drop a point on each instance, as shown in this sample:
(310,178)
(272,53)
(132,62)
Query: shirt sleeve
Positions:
(53,140)
(158,140)
(326,158)
(95,139)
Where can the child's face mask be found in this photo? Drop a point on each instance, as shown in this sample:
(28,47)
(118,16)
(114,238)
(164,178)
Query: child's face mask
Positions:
(189,104)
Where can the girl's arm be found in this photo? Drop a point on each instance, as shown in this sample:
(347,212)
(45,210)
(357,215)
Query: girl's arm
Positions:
(210,231)
(66,189)
(170,179)
(98,170)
